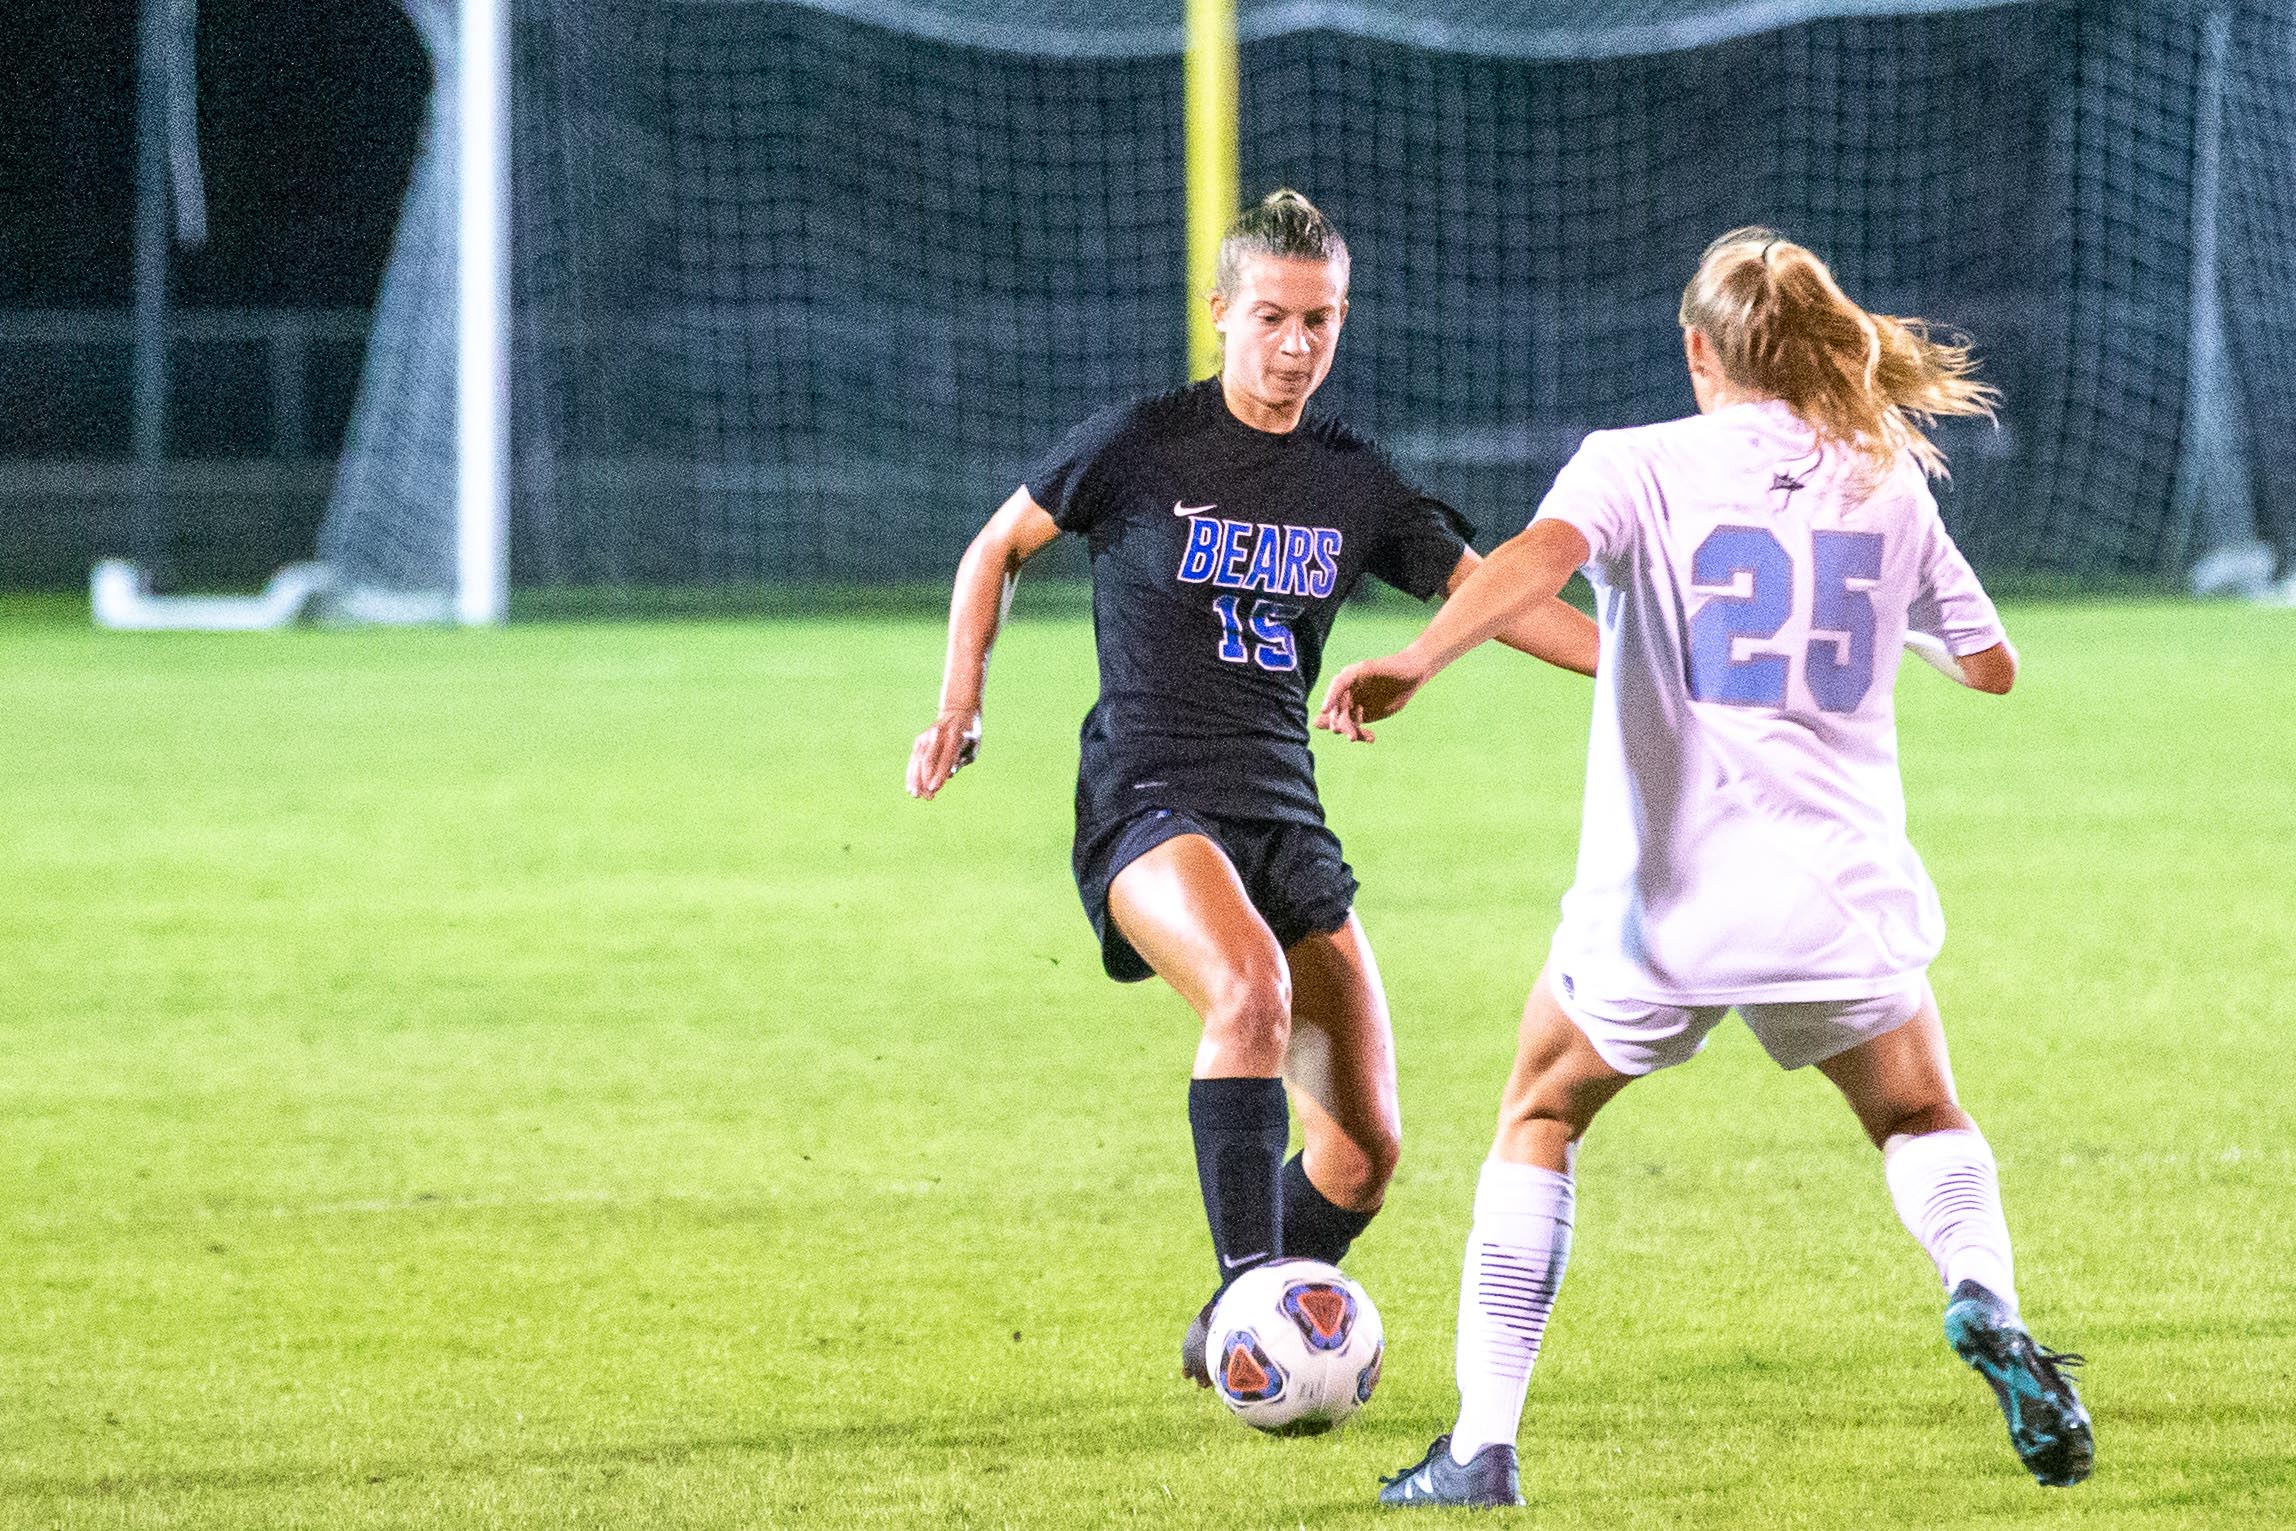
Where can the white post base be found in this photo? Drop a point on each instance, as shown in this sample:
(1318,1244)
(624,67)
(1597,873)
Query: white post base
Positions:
(121,594)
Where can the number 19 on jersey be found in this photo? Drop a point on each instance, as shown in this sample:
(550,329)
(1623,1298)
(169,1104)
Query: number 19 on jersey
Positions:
(1263,636)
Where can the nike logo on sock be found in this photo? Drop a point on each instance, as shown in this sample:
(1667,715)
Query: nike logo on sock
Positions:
(1241,1261)
(1178,509)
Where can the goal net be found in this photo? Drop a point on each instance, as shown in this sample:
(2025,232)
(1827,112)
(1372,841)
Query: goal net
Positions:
(798,289)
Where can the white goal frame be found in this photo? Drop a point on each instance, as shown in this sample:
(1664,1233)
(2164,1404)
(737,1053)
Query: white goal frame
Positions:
(482,314)
(120,594)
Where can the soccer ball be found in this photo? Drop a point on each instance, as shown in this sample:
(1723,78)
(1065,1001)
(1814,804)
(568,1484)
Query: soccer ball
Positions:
(1294,1347)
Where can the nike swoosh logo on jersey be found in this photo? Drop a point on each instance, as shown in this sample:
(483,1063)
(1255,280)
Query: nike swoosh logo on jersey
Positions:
(1179,509)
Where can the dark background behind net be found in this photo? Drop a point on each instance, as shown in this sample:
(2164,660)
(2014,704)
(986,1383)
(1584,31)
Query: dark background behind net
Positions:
(799,296)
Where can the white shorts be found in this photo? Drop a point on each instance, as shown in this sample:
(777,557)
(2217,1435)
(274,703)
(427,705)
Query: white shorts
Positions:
(1639,1036)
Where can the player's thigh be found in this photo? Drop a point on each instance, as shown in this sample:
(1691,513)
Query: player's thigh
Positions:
(1903,1076)
(1557,1075)
(1341,1066)
(1186,913)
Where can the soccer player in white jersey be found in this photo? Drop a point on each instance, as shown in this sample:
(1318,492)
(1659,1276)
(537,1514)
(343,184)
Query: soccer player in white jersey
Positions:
(1757,568)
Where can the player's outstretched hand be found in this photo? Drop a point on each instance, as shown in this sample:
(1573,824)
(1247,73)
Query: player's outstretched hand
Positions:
(942,751)
(1367,692)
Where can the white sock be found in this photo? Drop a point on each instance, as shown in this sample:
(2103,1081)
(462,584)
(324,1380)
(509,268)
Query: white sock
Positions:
(1515,1257)
(1948,1195)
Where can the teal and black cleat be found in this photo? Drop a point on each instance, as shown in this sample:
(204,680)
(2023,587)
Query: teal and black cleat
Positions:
(1491,1480)
(2047,1424)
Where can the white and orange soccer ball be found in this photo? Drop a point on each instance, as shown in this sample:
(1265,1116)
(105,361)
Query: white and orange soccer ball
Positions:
(1294,1347)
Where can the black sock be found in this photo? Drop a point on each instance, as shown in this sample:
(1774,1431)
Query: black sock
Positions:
(1240,1128)
(1314,1225)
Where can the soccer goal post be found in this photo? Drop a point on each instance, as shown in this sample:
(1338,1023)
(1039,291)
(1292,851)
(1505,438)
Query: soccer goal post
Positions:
(464,576)
(709,294)
(1213,193)
(482,87)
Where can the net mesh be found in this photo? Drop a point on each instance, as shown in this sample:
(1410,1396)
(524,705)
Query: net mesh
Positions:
(799,289)
(1523,235)
(941,254)
(2256,230)
(390,520)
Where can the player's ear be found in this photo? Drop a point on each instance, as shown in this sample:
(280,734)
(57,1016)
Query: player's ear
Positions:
(1697,353)
(1219,311)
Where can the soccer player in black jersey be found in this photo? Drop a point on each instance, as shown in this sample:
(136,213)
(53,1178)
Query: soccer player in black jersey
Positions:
(1226,527)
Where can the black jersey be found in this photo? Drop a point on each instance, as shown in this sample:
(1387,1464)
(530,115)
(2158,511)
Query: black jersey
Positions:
(1220,555)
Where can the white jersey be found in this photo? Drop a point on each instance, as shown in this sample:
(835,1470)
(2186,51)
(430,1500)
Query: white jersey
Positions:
(1744,829)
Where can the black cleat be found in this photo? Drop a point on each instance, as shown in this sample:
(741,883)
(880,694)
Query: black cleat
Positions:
(1492,1480)
(1193,1343)
(2047,1424)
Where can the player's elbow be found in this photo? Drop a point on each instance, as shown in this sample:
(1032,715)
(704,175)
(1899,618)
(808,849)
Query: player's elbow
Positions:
(994,551)
(1992,671)
(1015,534)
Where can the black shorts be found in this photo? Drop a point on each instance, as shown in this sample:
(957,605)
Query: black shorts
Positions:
(1291,870)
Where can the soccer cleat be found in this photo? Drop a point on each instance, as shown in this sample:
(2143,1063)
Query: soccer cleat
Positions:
(1492,1480)
(2047,1424)
(1192,1345)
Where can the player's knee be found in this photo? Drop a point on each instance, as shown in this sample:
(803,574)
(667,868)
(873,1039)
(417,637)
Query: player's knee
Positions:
(1250,1006)
(1918,1121)
(1533,1136)
(1354,1171)
(1539,1121)
(1382,1150)
(1544,1095)
(1536,1112)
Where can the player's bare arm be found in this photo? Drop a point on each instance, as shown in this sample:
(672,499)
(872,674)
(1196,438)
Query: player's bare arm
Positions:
(1990,670)
(986,575)
(1520,577)
(1552,630)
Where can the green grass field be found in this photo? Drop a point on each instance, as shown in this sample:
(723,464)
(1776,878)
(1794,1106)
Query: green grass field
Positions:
(553,1076)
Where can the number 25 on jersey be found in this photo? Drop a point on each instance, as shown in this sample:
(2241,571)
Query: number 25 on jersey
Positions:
(1838,661)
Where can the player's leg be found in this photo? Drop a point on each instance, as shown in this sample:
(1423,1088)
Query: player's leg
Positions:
(1947,1192)
(1184,910)
(1524,1207)
(1558,1083)
(1516,1253)
(1940,1171)
(1341,1070)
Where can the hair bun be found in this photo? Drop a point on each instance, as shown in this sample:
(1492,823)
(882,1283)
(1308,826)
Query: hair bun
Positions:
(1283,224)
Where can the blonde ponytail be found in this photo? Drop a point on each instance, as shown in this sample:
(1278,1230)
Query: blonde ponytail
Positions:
(1782,327)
